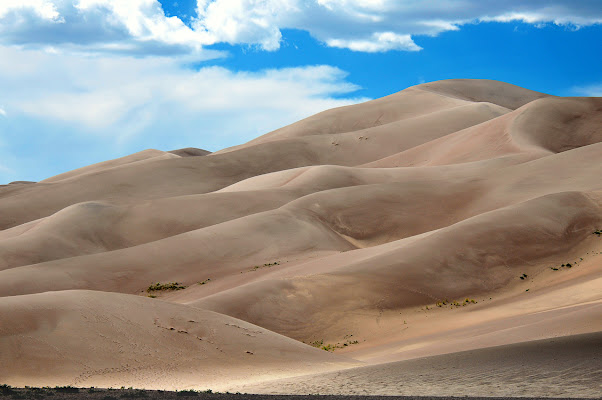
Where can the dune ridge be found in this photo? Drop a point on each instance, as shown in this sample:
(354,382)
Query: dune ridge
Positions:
(452,216)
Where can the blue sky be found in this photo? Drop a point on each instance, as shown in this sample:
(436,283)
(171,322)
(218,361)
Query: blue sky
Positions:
(82,81)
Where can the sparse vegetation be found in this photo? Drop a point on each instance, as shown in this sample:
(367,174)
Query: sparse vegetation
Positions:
(598,232)
(565,265)
(206,281)
(332,347)
(523,277)
(165,287)
(266,265)
(455,303)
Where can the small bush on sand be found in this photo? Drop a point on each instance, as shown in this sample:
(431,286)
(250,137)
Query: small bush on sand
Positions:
(165,286)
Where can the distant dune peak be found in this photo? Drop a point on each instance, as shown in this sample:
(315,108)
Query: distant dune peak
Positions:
(190,152)
(484,90)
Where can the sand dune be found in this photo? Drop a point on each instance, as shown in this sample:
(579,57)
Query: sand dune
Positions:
(549,125)
(359,214)
(436,220)
(420,271)
(94,227)
(105,165)
(112,340)
(410,103)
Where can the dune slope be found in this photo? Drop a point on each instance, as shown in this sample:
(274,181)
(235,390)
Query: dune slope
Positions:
(113,340)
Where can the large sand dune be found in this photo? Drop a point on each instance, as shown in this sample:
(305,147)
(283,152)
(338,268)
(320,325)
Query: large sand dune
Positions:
(108,339)
(435,220)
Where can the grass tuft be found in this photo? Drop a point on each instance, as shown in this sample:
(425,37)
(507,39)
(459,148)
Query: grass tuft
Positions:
(165,286)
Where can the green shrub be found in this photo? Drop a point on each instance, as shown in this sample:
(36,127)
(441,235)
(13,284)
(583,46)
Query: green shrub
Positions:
(269,265)
(165,286)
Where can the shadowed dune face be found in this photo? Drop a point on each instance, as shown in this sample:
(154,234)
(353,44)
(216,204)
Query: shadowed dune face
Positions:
(473,254)
(425,222)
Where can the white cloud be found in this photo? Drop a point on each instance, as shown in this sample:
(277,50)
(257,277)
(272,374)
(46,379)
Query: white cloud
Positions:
(140,27)
(2,112)
(382,41)
(376,25)
(122,98)
(45,9)
(245,21)
(135,27)
(145,21)
(593,90)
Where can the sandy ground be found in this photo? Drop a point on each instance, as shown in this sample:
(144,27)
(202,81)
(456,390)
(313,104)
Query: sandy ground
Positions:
(545,368)
(452,216)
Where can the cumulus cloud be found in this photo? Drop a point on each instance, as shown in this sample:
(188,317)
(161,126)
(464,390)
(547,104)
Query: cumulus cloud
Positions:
(99,26)
(141,26)
(2,112)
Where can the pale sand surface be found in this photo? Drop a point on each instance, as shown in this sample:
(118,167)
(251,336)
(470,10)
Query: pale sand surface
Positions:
(546,368)
(346,229)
